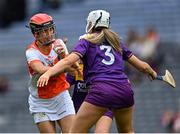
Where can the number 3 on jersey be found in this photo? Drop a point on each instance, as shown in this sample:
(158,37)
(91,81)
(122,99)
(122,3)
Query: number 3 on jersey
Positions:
(108,54)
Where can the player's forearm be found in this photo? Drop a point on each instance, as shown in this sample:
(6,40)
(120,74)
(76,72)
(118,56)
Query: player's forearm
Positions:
(62,65)
(41,70)
(146,68)
(38,67)
(141,66)
(59,67)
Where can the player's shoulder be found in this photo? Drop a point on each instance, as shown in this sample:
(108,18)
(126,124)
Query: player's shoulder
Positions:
(82,36)
(31,47)
(86,36)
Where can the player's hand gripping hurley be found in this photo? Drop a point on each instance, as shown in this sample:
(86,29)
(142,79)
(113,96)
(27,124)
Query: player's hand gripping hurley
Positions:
(168,78)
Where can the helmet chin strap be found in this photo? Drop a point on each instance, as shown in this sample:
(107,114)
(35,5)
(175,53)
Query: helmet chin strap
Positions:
(46,44)
(90,29)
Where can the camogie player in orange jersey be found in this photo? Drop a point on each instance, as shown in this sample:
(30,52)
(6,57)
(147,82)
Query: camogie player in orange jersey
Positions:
(51,103)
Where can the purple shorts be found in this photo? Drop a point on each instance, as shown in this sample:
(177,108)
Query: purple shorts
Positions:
(111,95)
(109,113)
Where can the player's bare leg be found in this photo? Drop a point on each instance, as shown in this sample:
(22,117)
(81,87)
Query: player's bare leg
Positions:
(65,123)
(103,125)
(124,120)
(86,117)
(46,127)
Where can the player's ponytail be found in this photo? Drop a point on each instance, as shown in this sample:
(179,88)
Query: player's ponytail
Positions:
(113,39)
(105,34)
(95,38)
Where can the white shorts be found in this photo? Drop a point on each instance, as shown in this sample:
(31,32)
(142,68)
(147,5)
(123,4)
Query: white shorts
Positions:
(51,109)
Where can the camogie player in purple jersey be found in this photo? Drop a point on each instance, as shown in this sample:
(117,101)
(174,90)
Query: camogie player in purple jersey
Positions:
(103,55)
(80,91)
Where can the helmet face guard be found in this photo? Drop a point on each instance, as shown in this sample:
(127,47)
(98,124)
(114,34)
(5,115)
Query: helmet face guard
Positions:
(44,34)
(97,18)
(43,28)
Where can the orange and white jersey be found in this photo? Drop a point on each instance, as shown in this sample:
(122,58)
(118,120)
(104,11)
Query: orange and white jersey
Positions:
(56,84)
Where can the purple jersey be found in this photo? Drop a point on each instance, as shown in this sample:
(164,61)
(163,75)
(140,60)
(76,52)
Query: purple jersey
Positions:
(102,62)
(79,92)
(104,74)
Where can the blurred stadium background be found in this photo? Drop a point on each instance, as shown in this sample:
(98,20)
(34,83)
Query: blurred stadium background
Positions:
(153,100)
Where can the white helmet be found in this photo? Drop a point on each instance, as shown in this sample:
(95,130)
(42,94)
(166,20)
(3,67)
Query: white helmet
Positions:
(97,18)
